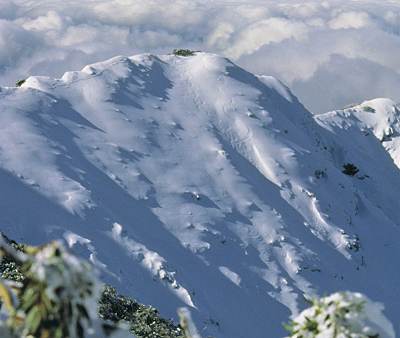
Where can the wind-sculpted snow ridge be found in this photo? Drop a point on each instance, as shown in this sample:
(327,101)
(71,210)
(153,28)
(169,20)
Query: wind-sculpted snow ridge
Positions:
(191,182)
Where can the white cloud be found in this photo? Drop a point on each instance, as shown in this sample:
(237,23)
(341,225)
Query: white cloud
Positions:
(16,44)
(263,33)
(295,40)
(221,35)
(46,23)
(348,20)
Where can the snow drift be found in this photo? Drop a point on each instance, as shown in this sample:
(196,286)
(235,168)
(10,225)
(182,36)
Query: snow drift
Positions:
(191,182)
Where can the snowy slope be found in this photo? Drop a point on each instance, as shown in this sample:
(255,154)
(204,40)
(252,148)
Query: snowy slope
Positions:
(190,182)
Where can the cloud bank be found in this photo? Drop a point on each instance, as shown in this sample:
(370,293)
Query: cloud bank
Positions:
(331,53)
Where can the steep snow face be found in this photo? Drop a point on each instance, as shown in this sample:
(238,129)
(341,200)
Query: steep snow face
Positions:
(191,182)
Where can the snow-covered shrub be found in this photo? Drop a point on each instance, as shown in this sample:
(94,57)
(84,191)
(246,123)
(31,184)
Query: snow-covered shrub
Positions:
(368,109)
(354,244)
(387,134)
(350,169)
(144,320)
(9,268)
(342,315)
(19,83)
(56,298)
(320,173)
(184,52)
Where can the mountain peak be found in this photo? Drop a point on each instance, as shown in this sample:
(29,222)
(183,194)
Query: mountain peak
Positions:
(190,181)
(380,116)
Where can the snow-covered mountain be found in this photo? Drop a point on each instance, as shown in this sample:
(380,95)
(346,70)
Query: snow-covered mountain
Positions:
(191,182)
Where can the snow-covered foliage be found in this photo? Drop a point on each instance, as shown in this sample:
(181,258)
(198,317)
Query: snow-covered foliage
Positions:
(57,296)
(342,315)
(190,182)
(144,321)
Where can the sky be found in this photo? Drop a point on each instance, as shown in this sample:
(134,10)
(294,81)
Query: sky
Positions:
(330,53)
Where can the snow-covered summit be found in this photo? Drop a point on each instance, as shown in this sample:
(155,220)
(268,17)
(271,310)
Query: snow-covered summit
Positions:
(189,181)
(380,117)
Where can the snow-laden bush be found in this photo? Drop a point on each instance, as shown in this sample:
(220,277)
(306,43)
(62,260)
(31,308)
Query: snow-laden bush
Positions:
(350,169)
(56,298)
(144,321)
(342,315)
(19,83)
(368,109)
(184,52)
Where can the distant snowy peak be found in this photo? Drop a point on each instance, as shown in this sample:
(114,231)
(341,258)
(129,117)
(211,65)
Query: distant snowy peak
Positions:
(381,117)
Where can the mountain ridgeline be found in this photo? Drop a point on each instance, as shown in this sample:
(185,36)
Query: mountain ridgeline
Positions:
(189,181)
